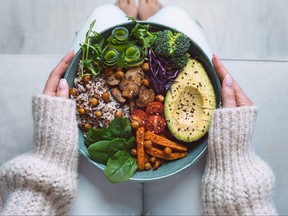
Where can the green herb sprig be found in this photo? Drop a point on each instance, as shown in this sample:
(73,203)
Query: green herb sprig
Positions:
(143,34)
(92,52)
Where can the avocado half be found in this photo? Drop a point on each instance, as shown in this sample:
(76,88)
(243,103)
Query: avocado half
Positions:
(189,103)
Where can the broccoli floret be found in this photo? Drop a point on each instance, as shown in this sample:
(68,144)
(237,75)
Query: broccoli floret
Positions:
(169,44)
(179,62)
(181,44)
(173,47)
(162,47)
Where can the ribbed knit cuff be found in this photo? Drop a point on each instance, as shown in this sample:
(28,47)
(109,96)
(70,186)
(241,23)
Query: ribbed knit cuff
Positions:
(55,131)
(236,181)
(231,131)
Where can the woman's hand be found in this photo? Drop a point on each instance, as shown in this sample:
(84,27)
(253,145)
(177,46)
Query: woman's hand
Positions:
(55,85)
(232,94)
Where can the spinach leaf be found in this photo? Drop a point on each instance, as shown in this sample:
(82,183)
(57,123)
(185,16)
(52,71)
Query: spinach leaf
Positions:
(127,132)
(101,151)
(97,134)
(110,146)
(122,143)
(118,126)
(120,167)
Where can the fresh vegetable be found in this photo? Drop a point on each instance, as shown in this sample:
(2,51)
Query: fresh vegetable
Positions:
(143,35)
(119,36)
(101,151)
(120,41)
(169,44)
(121,166)
(189,103)
(97,134)
(110,57)
(155,108)
(138,116)
(179,61)
(133,56)
(173,47)
(110,146)
(91,62)
(161,74)
(155,124)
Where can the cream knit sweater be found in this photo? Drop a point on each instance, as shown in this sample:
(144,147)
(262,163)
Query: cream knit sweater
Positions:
(44,181)
(236,181)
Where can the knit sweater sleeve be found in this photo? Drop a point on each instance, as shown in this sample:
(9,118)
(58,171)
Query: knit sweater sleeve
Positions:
(44,181)
(236,181)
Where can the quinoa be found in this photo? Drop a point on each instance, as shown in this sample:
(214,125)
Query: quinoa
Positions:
(94,89)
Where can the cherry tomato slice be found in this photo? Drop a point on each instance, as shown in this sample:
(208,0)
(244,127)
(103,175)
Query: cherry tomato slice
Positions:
(138,116)
(155,124)
(155,108)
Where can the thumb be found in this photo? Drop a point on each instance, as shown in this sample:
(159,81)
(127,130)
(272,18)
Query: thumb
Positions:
(63,89)
(228,93)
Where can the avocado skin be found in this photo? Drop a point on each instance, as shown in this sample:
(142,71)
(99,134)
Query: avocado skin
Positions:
(189,103)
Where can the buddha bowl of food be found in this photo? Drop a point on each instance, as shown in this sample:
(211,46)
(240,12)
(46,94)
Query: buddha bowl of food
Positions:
(145,94)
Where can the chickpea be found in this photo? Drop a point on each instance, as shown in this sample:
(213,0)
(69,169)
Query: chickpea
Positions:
(86,78)
(167,150)
(145,82)
(156,165)
(135,124)
(147,166)
(73,92)
(147,144)
(87,126)
(145,67)
(119,74)
(81,111)
(159,98)
(94,102)
(98,114)
(105,96)
(108,72)
(118,114)
(153,160)
(133,151)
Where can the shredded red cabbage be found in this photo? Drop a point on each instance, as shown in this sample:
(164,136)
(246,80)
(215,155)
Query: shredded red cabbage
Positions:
(161,74)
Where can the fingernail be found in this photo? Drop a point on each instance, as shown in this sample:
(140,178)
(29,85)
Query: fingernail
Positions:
(62,84)
(215,57)
(228,81)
